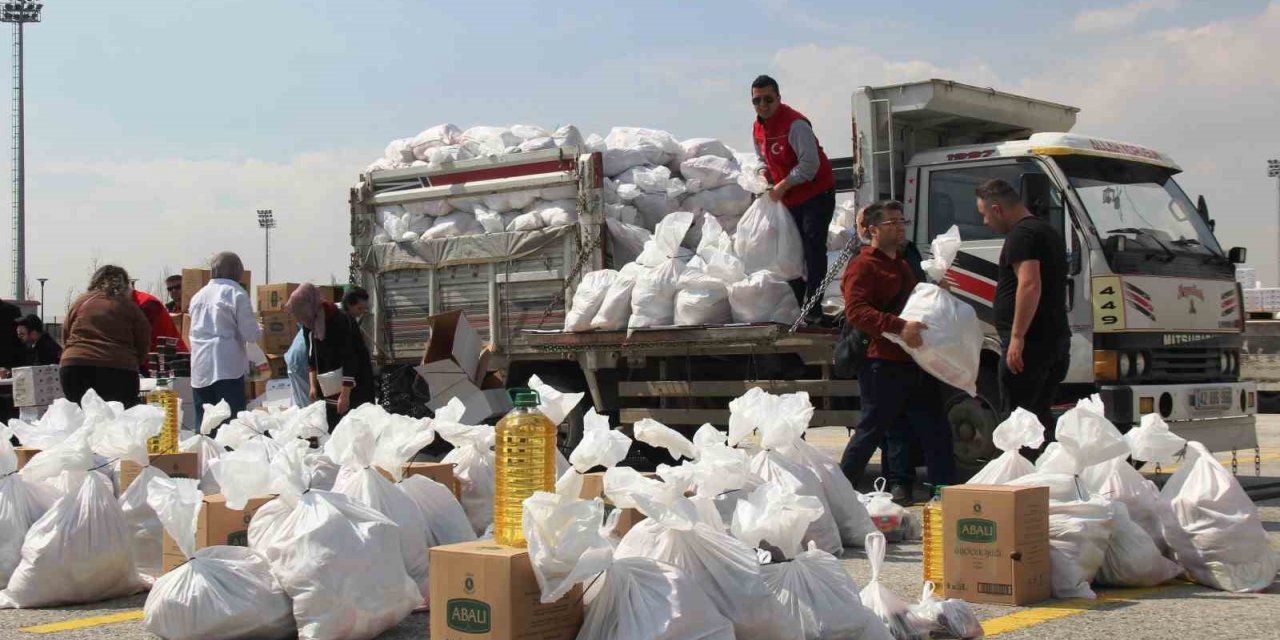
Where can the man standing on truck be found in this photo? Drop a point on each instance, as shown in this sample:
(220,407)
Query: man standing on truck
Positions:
(900,402)
(1030,303)
(801,177)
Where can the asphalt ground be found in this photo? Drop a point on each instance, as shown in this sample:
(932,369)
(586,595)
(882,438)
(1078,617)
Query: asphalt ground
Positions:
(1176,609)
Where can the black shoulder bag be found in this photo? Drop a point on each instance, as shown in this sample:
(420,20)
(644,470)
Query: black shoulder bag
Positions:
(851,346)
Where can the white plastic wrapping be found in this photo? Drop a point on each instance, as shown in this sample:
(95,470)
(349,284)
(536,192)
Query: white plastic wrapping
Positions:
(768,240)
(654,433)
(771,466)
(952,617)
(587,299)
(893,520)
(952,341)
(1079,534)
(205,448)
(702,300)
(822,598)
(1132,558)
(553,403)
(728,201)
(1151,441)
(59,421)
(644,599)
(775,516)
(891,609)
(309,537)
(22,502)
(565,544)
(944,248)
(698,147)
(600,446)
(473,461)
(763,297)
(845,503)
(1020,429)
(220,593)
(653,298)
(1116,480)
(125,439)
(710,172)
(1214,529)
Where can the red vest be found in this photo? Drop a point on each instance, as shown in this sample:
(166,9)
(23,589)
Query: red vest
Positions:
(771,138)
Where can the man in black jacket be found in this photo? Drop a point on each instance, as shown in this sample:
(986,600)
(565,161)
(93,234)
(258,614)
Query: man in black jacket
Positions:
(38,346)
(11,355)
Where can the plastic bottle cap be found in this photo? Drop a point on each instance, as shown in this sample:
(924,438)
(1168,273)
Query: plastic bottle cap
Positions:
(524,397)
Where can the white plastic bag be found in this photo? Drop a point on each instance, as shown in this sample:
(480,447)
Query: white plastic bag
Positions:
(1151,441)
(726,568)
(698,147)
(78,552)
(1020,429)
(892,610)
(205,448)
(1116,480)
(1079,534)
(600,446)
(1214,529)
(644,599)
(125,439)
(553,403)
(728,201)
(447,522)
(944,247)
(710,171)
(625,145)
(852,519)
(220,593)
(952,617)
(775,516)
(763,297)
(653,298)
(1132,558)
(441,135)
(1088,436)
(565,544)
(339,561)
(22,502)
(488,141)
(822,598)
(59,421)
(587,298)
(615,307)
(701,300)
(768,240)
(654,433)
(771,466)
(473,462)
(892,519)
(953,340)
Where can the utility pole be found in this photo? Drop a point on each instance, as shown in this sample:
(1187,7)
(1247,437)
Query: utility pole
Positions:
(1273,171)
(19,14)
(42,281)
(267,222)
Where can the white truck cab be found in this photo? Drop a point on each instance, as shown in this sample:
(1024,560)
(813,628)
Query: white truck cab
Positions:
(1155,313)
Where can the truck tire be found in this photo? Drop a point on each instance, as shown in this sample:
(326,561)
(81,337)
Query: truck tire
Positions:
(973,420)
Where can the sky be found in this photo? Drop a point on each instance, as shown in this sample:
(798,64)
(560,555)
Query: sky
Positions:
(155,130)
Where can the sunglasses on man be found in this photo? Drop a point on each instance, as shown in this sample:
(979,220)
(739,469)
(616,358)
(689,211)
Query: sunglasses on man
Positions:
(176,287)
(759,100)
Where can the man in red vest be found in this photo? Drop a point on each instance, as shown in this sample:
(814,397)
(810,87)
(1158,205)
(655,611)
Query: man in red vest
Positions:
(801,177)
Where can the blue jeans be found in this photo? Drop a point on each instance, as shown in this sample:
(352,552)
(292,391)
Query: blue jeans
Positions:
(230,390)
(900,403)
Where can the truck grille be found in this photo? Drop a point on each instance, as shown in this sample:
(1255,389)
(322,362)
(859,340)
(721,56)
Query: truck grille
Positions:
(1185,365)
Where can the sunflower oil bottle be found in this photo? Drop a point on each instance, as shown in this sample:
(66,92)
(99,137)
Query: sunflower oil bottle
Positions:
(525,463)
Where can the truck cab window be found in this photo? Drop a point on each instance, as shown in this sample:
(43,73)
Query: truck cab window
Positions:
(951,198)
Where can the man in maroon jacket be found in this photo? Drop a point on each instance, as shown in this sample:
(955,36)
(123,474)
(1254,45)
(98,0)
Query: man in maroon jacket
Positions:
(900,402)
(801,176)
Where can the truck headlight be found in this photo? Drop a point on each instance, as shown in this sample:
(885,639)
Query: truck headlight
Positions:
(1126,364)
(1140,364)
(1225,360)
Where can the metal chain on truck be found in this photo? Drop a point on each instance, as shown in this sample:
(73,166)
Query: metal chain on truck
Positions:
(833,271)
(584,256)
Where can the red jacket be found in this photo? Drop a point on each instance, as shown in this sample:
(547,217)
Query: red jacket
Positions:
(161,324)
(875,287)
(772,137)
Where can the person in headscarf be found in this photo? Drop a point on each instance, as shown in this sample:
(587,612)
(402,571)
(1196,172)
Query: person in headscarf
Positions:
(105,338)
(222,323)
(333,343)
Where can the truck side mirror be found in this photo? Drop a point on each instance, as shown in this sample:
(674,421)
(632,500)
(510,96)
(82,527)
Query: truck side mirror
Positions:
(1077,256)
(1202,208)
(1237,255)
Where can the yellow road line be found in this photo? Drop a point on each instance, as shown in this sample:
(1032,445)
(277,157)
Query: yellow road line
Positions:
(1038,615)
(84,623)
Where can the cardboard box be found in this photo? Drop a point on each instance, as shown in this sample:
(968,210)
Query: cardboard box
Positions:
(193,280)
(176,465)
(480,404)
(332,292)
(996,541)
(278,331)
(593,487)
(483,591)
(273,297)
(626,520)
(36,386)
(25,454)
(441,472)
(185,327)
(216,524)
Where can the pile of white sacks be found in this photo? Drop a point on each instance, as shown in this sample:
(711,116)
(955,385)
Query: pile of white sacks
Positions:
(1110,526)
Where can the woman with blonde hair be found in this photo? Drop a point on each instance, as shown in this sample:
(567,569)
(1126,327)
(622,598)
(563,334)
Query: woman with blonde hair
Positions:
(105,339)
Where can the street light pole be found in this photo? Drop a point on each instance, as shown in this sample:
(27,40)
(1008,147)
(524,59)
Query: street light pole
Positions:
(267,222)
(19,13)
(42,281)
(1273,171)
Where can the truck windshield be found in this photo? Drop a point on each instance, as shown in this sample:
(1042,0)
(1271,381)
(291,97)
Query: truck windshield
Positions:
(1135,198)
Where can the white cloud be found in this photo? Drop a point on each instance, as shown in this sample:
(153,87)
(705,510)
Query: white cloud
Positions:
(1118,17)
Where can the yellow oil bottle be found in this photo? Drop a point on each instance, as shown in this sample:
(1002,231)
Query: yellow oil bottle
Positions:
(932,540)
(166,398)
(525,463)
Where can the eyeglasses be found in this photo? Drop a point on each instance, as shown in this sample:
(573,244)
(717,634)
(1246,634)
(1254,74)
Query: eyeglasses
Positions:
(903,222)
(759,100)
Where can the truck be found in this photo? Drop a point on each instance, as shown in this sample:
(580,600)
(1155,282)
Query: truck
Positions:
(1155,312)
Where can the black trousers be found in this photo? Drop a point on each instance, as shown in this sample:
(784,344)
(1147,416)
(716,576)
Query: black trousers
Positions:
(901,406)
(118,385)
(812,217)
(1044,367)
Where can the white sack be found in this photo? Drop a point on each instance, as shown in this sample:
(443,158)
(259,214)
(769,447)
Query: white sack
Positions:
(774,516)
(852,519)
(728,201)
(710,171)
(615,307)
(568,136)
(822,597)
(1132,558)
(458,223)
(22,502)
(309,537)
(944,248)
(626,147)
(59,421)
(527,222)
(653,298)
(771,466)
(488,141)
(77,552)
(952,617)
(587,299)
(1214,529)
(952,343)
(565,544)
(702,300)
(446,521)
(889,607)
(626,242)
(644,599)
(1079,534)
(1020,429)
(698,147)
(398,152)
(441,135)
(1151,441)
(473,462)
(1088,436)
(220,593)
(768,240)
(1116,480)
(763,297)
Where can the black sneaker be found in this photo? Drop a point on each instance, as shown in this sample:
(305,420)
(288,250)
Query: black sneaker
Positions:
(902,495)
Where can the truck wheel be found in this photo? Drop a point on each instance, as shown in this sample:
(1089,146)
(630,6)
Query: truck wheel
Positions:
(972,423)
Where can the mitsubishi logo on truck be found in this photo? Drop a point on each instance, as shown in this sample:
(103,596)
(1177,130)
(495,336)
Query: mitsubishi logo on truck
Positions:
(1171,339)
(1190,292)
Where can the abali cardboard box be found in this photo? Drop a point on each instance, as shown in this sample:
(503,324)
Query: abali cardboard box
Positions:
(484,591)
(175,465)
(216,524)
(996,541)
(272,297)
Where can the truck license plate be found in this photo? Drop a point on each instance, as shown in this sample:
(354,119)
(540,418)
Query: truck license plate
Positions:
(1213,398)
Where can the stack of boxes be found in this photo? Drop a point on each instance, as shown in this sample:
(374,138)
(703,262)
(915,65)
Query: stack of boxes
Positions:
(279,328)
(193,280)
(34,389)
